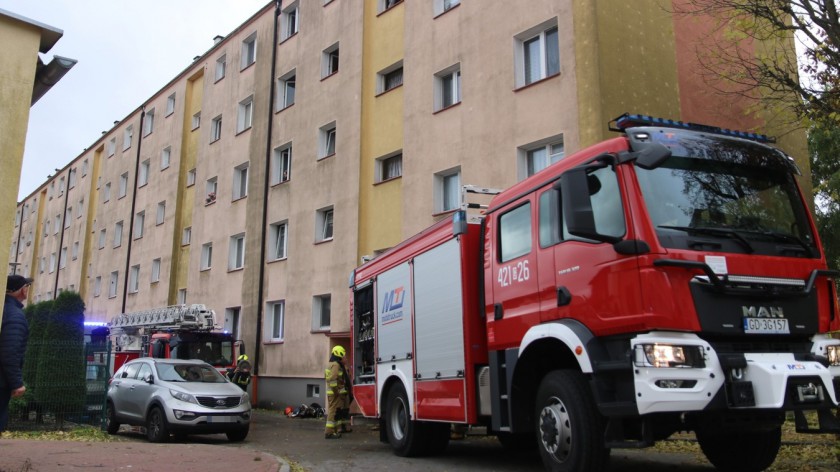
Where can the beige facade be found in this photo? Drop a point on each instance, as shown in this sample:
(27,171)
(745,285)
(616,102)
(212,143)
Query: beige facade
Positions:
(267,169)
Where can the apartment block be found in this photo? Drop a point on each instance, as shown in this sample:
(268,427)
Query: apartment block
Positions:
(257,179)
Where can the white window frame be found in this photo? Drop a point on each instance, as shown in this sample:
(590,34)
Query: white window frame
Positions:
(245,114)
(385,166)
(275,322)
(155,275)
(448,87)
(113,283)
(134,279)
(551,148)
(321,306)
(143,177)
(443,6)
(75,254)
(123,190)
(160,216)
(149,122)
(165,157)
(128,135)
(221,67)
(186,236)
(281,165)
(85,166)
(182,296)
(191,177)
(102,238)
(330,61)
(139,222)
(286,89)
(278,240)
(324,224)
(106,193)
(170,104)
(240,181)
(216,129)
(62,258)
(327,140)
(236,252)
(211,189)
(387,5)
(289,21)
(248,51)
(97,286)
(387,79)
(196,120)
(541,35)
(447,194)
(111,147)
(206,256)
(118,230)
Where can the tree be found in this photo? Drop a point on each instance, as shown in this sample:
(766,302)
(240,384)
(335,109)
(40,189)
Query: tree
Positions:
(824,149)
(751,53)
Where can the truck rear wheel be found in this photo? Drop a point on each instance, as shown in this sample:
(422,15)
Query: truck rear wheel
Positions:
(744,451)
(403,433)
(570,431)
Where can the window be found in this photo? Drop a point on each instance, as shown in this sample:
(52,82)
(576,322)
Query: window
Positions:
(324,224)
(80,207)
(149,122)
(221,65)
(46,227)
(123,185)
(127,135)
(155,270)
(443,6)
(97,286)
(540,155)
(186,235)
(281,165)
(71,178)
(190,177)
(537,53)
(321,313)
(61,186)
(240,181)
(57,224)
(85,167)
(102,238)
(249,51)
(236,255)
(216,129)
(286,90)
(170,104)
(389,167)
(75,250)
(112,285)
(275,313)
(62,258)
(165,158)
(118,229)
(245,115)
(196,120)
(143,176)
(182,296)
(388,4)
(329,61)
(390,78)
(326,146)
(447,190)
(549,218)
(232,321)
(111,147)
(41,264)
(134,279)
(448,87)
(206,256)
(139,220)
(515,233)
(277,240)
(69,218)
(161,213)
(106,193)
(210,190)
(289,21)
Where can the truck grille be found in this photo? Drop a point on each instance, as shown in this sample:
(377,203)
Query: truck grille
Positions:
(218,402)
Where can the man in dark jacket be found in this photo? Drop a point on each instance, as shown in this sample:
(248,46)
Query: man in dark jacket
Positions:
(14,335)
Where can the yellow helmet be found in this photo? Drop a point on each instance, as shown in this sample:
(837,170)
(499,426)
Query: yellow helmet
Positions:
(241,358)
(338,351)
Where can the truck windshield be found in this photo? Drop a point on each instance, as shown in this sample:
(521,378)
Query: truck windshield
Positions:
(711,196)
(214,352)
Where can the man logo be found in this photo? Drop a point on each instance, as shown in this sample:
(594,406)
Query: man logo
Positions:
(394,299)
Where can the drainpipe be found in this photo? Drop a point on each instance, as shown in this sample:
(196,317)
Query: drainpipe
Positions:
(60,238)
(133,207)
(261,285)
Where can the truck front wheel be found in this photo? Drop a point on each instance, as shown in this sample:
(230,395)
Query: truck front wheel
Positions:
(570,431)
(403,433)
(745,451)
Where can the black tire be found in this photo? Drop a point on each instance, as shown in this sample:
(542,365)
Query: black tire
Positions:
(570,430)
(516,442)
(157,430)
(237,435)
(437,437)
(404,434)
(111,423)
(745,451)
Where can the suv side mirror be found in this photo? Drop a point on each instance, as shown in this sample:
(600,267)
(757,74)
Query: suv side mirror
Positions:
(149,379)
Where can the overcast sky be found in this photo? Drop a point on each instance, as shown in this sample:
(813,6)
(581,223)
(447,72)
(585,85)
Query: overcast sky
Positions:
(127,51)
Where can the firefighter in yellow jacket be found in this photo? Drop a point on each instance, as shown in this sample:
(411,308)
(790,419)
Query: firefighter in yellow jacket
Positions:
(339,395)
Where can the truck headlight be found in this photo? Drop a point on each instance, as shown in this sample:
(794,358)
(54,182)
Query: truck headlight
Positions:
(833,354)
(184,397)
(669,355)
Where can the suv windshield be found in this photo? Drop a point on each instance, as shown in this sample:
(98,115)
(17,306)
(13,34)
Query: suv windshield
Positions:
(726,195)
(189,373)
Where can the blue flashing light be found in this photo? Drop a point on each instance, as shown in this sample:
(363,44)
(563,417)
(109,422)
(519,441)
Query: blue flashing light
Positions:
(627,120)
(95,324)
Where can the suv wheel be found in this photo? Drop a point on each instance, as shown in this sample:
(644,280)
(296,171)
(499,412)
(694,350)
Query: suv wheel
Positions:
(237,435)
(156,428)
(111,423)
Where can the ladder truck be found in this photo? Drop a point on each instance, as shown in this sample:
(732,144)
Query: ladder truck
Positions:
(668,279)
(178,332)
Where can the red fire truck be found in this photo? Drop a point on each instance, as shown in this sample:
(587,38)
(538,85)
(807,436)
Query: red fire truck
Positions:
(669,279)
(179,331)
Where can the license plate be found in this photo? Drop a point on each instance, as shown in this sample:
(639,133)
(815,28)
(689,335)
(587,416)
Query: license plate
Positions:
(221,419)
(766,326)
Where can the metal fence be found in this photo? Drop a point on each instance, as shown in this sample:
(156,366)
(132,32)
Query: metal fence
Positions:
(65,387)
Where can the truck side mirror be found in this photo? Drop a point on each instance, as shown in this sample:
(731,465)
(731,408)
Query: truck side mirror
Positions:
(576,189)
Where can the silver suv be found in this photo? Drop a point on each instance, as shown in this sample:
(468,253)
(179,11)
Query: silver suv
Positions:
(176,396)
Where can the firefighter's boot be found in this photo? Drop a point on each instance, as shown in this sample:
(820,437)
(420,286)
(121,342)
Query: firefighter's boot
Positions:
(332,435)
